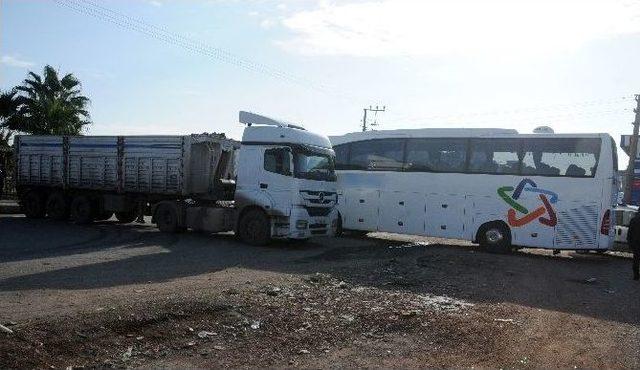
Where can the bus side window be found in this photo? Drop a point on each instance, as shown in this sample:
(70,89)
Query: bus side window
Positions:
(342,156)
(377,155)
(439,155)
(495,156)
(560,157)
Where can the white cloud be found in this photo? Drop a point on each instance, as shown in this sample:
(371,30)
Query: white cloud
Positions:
(439,27)
(157,3)
(14,61)
(267,23)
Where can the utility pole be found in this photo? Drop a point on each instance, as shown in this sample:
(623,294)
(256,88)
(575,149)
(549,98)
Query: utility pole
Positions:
(633,150)
(370,109)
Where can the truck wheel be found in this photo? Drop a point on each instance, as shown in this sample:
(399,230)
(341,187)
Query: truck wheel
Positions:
(495,237)
(339,229)
(57,206)
(33,205)
(81,210)
(166,217)
(126,217)
(254,228)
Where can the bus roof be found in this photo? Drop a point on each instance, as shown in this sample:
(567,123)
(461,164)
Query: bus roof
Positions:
(448,133)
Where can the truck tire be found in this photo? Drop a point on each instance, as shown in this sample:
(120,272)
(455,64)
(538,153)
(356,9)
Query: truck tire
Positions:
(33,205)
(166,217)
(254,228)
(495,237)
(57,206)
(339,229)
(126,217)
(81,210)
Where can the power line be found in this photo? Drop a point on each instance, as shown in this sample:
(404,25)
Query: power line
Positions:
(159,33)
(522,111)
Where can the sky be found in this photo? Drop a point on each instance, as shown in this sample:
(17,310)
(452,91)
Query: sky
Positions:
(188,66)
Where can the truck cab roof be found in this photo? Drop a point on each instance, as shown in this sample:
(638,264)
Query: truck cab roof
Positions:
(266,130)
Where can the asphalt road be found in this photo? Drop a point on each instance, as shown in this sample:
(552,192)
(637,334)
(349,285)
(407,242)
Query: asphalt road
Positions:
(577,306)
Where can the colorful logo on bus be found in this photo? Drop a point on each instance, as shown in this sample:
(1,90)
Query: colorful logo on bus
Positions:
(519,215)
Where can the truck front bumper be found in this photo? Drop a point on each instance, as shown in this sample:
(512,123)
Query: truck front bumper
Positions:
(303,226)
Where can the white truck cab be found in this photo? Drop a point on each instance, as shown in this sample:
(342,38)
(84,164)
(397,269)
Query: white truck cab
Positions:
(286,182)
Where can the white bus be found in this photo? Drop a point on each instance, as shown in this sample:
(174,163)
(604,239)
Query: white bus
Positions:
(494,187)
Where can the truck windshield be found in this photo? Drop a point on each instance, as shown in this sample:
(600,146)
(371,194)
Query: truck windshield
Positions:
(314,165)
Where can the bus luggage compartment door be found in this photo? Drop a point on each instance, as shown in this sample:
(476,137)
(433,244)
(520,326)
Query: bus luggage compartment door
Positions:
(362,209)
(445,215)
(402,212)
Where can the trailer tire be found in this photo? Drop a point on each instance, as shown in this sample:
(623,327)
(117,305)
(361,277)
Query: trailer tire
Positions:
(254,227)
(495,237)
(82,210)
(57,206)
(126,217)
(33,205)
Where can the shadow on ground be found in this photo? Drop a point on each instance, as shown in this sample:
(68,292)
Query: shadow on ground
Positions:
(592,285)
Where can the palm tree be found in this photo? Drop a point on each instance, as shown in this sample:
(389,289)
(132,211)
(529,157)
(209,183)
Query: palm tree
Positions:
(45,105)
(5,136)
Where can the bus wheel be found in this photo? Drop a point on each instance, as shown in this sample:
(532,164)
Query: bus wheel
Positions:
(495,237)
(126,217)
(33,205)
(254,228)
(57,206)
(81,210)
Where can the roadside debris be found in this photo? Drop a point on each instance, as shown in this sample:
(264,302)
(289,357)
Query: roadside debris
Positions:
(204,334)
(5,329)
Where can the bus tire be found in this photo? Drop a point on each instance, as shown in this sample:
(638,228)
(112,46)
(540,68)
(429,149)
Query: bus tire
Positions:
(126,217)
(166,217)
(57,206)
(254,227)
(495,237)
(81,210)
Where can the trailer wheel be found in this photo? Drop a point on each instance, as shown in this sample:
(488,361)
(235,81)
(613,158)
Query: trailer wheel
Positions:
(166,217)
(81,210)
(33,205)
(126,217)
(57,206)
(495,237)
(254,228)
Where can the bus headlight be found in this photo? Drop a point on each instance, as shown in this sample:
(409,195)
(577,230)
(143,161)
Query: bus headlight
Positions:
(301,224)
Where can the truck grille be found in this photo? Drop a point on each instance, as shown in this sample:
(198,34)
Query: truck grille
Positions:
(318,211)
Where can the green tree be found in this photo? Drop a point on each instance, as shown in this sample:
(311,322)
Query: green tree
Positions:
(45,105)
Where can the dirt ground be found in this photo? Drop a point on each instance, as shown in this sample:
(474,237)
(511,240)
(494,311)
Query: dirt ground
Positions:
(110,295)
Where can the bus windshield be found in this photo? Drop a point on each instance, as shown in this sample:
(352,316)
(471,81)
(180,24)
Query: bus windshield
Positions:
(314,164)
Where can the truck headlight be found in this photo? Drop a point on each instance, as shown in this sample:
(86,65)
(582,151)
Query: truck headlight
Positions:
(301,224)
